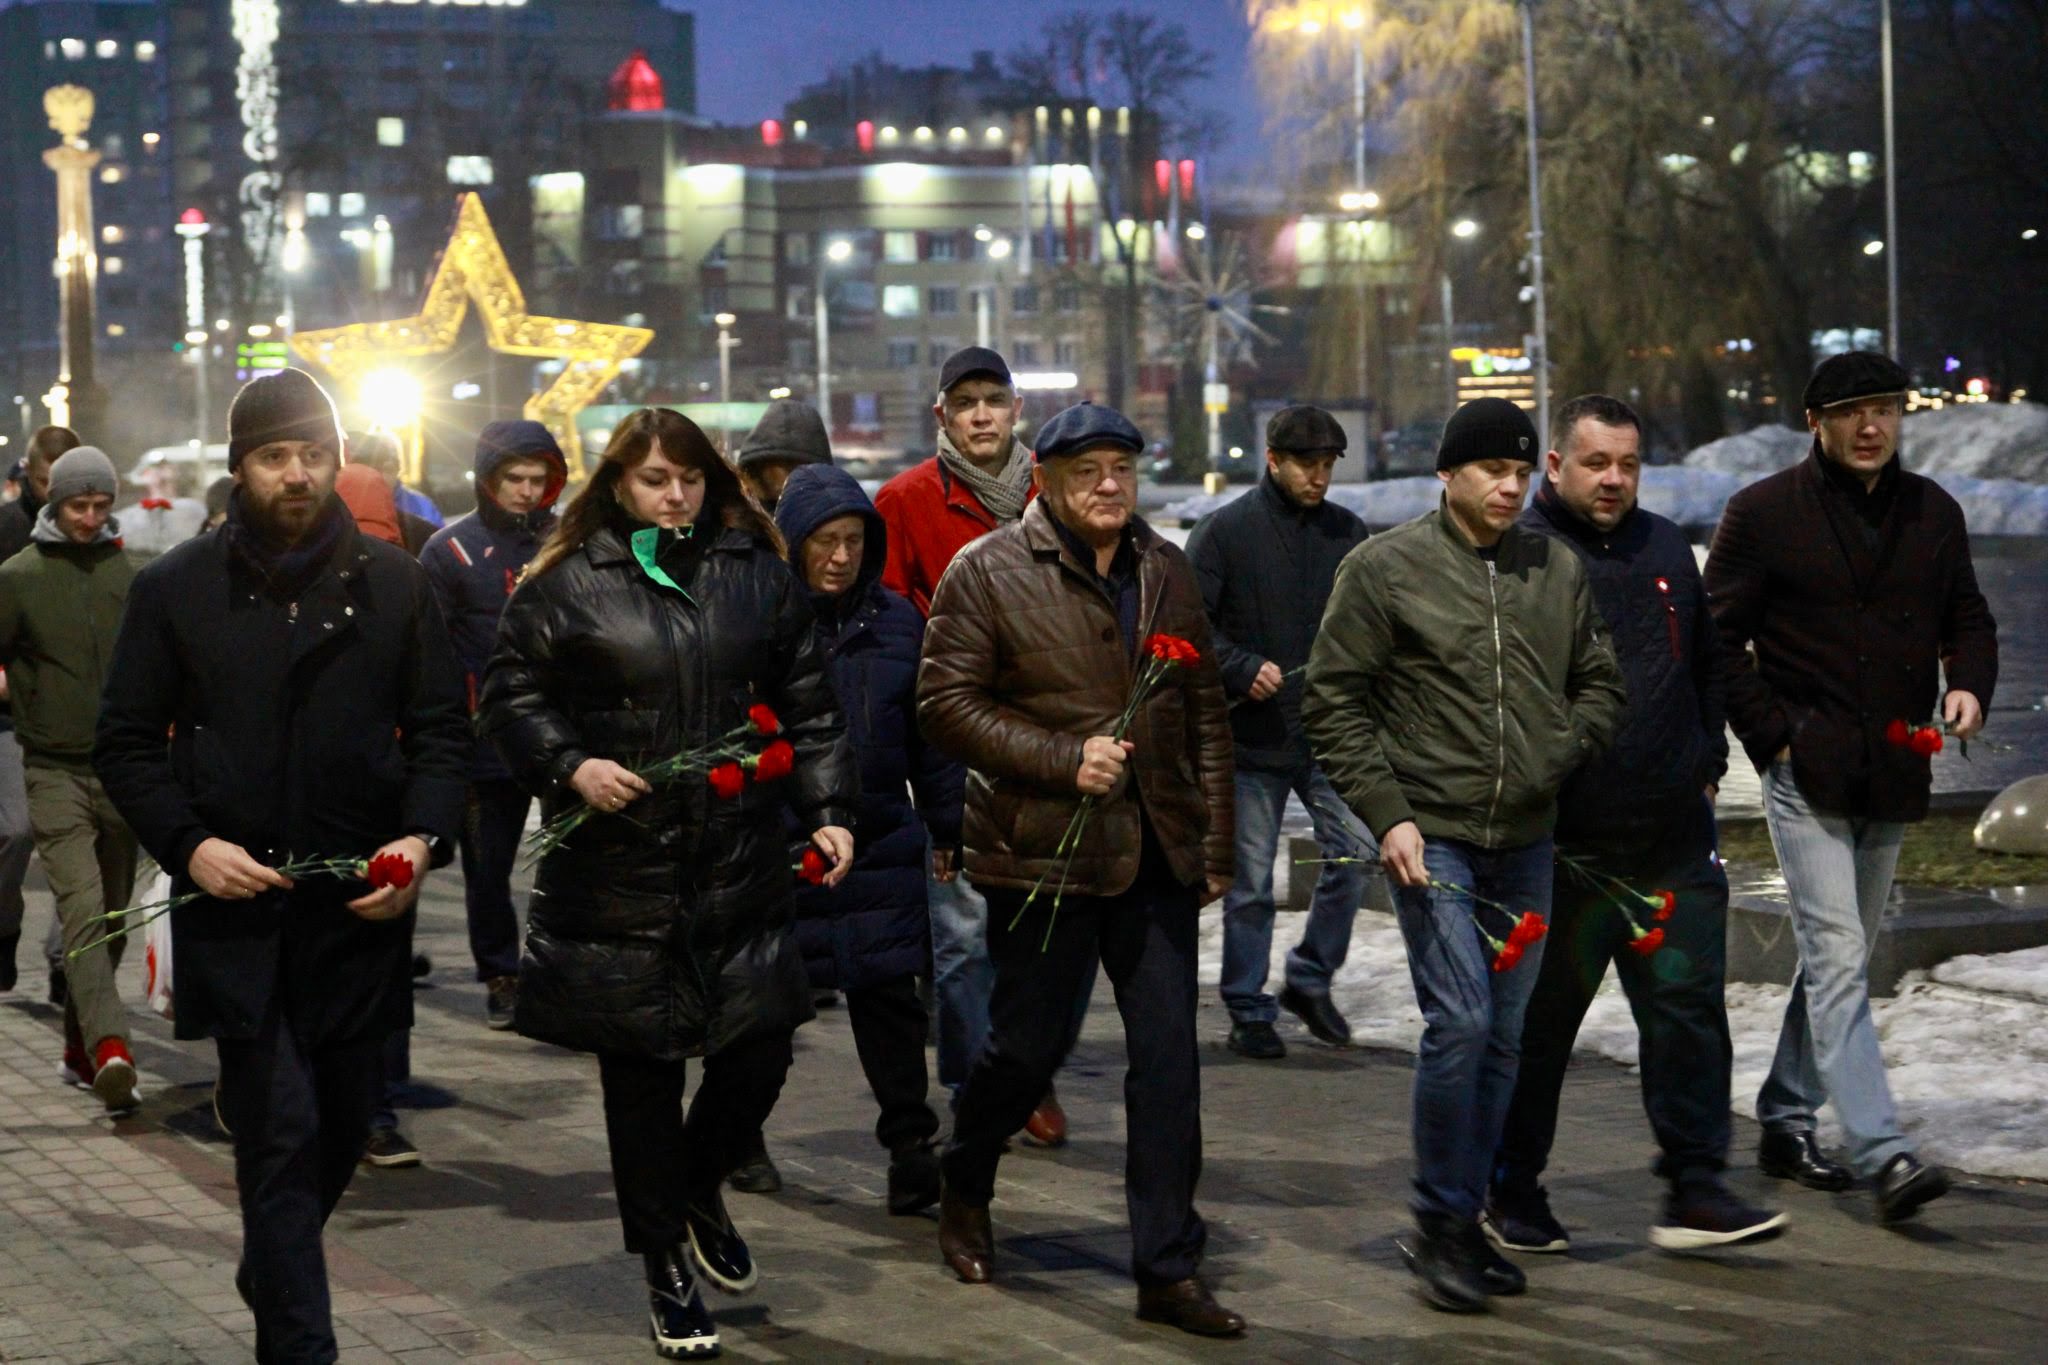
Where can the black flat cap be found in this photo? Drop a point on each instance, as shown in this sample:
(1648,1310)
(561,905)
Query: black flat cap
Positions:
(1854,374)
(970,362)
(1304,430)
(1085,426)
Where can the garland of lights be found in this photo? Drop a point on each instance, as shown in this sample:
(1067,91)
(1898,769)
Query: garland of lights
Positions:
(255,31)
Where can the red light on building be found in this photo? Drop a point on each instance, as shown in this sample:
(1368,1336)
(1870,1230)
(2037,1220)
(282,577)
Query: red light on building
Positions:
(635,87)
(1187,179)
(771,132)
(192,217)
(1162,172)
(864,134)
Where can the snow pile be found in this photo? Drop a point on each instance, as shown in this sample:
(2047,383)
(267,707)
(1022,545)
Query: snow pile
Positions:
(1976,440)
(1967,1043)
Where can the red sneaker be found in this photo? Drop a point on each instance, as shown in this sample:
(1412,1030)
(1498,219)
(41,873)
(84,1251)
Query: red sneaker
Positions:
(113,1077)
(1047,1125)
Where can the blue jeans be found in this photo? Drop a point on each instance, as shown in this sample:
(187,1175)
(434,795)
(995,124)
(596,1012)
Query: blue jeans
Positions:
(1471,1014)
(1838,872)
(1248,909)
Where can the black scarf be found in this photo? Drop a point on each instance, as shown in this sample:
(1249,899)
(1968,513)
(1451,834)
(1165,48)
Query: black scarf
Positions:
(288,569)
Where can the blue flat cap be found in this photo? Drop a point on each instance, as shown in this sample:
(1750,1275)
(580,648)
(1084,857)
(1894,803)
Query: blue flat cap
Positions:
(1085,426)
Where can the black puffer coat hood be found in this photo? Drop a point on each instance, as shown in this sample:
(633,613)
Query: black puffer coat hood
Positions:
(663,930)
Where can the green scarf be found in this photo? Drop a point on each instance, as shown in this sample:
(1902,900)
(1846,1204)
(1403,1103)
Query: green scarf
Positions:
(646,543)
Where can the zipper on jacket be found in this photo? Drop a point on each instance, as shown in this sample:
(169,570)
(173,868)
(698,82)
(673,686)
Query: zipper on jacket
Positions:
(1670,616)
(1500,703)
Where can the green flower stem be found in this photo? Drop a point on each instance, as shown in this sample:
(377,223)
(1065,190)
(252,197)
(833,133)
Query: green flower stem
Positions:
(156,910)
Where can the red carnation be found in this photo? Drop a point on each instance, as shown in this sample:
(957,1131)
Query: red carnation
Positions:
(813,867)
(1667,902)
(389,869)
(1925,741)
(1506,959)
(1898,732)
(728,780)
(1648,943)
(775,762)
(1528,929)
(763,718)
(1172,649)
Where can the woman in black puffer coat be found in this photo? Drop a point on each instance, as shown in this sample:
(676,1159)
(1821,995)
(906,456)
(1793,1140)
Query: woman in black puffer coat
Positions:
(871,936)
(657,614)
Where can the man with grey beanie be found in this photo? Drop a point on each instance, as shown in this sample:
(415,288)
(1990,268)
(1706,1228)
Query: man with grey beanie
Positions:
(789,434)
(1461,673)
(60,606)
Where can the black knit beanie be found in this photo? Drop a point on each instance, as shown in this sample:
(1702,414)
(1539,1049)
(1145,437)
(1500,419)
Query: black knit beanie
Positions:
(1487,429)
(287,406)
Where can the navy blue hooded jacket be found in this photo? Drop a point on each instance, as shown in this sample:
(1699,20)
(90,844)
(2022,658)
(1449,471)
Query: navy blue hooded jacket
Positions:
(475,561)
(1673,739)
(875,925)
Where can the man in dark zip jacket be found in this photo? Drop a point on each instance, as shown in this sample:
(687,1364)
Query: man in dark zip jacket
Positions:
(1632,825)
(473,564)
(1461,674)
(282,689)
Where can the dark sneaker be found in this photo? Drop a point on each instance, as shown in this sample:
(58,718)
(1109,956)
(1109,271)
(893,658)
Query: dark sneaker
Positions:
(1442,1257)
(1318,1015)
(757,1174)
(502,1003)
(9,974)
(1501,1277)
(387,1148)
(1257,1040)
(913,1179)
(715,1245)
(1520,1220)
(1905,1184)
(681,1324)
(422,966)
(1698,1216)
(1787,1155)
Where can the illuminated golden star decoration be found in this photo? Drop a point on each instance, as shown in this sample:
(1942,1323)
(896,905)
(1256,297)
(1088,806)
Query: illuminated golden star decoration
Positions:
(473,268)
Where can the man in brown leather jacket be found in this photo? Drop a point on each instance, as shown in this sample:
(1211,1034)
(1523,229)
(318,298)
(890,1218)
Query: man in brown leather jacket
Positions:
(1037,635)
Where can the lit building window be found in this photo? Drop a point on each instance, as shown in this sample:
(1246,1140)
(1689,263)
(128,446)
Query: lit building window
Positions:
(74,48)
(151,139)
(115,329)
(352,205)
(111,264)
(319,204)
(469,170)
(899,246)
(390,132)
(110,175)
(900,300)
(107,47)
(145,51)
(111,233)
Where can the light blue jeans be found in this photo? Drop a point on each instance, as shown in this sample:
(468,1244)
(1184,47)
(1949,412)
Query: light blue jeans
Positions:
(1471,1015)
(1838,871)
(1248,909)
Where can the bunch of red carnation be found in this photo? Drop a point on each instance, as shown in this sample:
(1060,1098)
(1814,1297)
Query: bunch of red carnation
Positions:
(1528,929)
(1924,740)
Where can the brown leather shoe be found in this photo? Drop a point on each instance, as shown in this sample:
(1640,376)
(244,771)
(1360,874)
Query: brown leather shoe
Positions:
(1047,1125)
(966,1241)
(1189,1306)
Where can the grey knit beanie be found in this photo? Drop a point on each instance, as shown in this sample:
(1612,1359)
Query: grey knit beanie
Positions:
(82,469)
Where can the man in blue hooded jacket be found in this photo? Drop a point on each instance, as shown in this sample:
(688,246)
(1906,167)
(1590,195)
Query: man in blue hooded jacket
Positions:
(473,564)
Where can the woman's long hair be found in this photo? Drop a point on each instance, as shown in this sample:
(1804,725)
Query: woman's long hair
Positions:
(726,502)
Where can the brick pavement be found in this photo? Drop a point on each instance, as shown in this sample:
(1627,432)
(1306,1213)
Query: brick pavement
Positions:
(117,1242)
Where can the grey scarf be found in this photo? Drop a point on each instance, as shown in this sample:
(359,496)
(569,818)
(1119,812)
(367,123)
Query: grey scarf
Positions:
(1004,492)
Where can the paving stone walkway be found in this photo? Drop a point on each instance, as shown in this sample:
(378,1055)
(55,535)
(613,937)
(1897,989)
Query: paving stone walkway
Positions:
(118,1241)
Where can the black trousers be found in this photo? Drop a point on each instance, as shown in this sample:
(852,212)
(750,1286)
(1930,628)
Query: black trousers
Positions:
(1676,996)
(494,821)
(889,1024)
(663,1163)
(1146,941)
(299,1114)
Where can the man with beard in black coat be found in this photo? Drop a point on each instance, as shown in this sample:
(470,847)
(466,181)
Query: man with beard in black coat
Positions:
(280,690)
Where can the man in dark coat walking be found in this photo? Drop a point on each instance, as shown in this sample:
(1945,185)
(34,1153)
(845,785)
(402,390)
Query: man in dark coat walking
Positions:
(870,936)
(281,690)
(1633,825)
(1266,563)
(1844,595)
(473,564)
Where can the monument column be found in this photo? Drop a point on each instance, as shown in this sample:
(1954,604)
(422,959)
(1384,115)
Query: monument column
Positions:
(76,400)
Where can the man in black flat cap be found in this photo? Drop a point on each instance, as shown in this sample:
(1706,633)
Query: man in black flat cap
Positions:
(1037,636)
(1461,674)
(1844,595)
(1266,562)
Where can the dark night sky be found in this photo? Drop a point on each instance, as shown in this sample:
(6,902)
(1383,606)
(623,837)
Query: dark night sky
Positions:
(752,55)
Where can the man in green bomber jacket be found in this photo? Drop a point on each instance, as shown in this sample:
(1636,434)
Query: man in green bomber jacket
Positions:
(60,605)
(1461,673)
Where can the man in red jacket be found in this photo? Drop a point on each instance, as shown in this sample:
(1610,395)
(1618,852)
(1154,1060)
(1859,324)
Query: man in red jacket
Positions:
(979,480)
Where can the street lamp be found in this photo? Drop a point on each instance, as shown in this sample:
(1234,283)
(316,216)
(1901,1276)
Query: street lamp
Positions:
(1539,349)
(726,341)
(837,252)
(1464,230)
(1891,185)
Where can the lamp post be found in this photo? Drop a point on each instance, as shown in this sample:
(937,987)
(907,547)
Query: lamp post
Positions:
(1465,229)
(1366,200)
(839,251)
(193,227)
(726,341)
(1539,349)
(76,399)
(1891,186)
